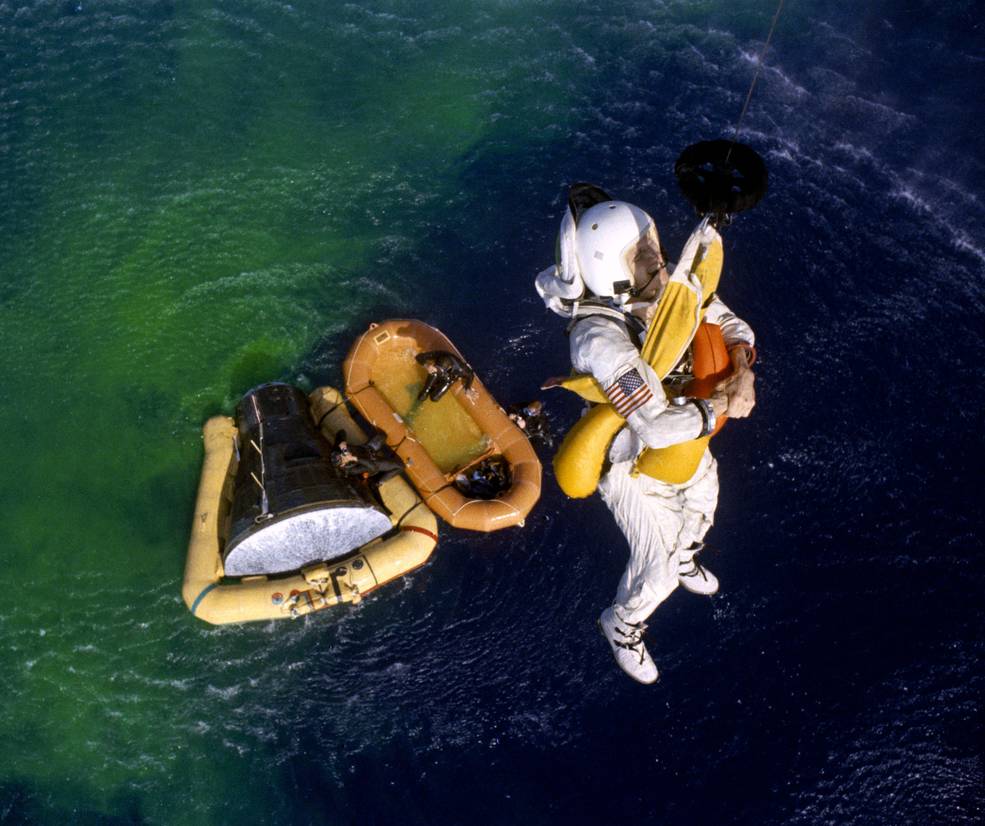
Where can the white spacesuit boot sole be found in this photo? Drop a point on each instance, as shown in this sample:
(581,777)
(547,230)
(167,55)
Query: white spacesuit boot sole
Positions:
(697,579)
(627,647)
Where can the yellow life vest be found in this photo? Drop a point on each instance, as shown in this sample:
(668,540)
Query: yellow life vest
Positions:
(679,313)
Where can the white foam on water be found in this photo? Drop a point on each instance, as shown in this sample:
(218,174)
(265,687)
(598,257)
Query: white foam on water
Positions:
(905,194)
(774,71)
(586,58)
(963,243)
(858,153)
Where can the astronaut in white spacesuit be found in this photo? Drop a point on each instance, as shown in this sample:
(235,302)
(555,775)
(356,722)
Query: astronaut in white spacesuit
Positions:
(610,273)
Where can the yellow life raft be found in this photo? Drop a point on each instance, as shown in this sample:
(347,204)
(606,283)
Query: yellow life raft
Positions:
(219,600)
(679,314)
(438,440)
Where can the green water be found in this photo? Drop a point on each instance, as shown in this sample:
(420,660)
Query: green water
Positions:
(195,199)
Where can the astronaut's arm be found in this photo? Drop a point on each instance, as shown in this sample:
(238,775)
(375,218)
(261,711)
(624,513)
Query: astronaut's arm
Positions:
(737,334)
(740,342)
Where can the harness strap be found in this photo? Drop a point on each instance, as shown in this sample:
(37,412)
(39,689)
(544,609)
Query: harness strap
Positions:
(592,308)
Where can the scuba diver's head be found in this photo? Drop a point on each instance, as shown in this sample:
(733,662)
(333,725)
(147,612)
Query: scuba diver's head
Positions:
(618,250)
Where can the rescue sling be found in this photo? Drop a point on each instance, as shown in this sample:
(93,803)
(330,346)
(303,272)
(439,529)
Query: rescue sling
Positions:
(679,314)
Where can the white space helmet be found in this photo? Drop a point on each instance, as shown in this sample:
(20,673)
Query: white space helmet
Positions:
(606,236)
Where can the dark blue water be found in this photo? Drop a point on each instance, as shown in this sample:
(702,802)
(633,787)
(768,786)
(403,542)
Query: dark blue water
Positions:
(837,678)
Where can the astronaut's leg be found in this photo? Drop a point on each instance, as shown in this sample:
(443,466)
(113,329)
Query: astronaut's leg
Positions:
(650,515)
(699,498)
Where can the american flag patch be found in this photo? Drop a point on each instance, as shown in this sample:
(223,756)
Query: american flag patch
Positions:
(628,393)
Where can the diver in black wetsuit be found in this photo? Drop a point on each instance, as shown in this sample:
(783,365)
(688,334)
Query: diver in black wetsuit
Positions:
(486,480)
(373,461)
(533,421)
(444,369)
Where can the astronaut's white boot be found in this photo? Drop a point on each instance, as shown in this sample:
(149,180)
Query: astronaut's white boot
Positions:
(628,648)
(693,575)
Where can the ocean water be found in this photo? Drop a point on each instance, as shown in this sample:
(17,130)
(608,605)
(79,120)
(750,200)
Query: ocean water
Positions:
(197,197)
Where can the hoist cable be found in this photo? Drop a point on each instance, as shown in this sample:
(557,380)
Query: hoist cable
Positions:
(755,78)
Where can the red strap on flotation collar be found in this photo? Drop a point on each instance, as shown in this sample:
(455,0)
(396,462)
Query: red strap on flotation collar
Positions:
(416,529)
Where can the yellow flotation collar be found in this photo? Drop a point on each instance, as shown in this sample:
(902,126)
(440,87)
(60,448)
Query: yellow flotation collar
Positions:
(680,311)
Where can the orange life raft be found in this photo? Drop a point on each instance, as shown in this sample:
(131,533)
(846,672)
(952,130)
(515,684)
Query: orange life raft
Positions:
(438,440)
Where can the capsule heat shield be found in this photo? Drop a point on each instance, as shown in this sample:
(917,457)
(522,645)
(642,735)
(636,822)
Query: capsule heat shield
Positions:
(290,506)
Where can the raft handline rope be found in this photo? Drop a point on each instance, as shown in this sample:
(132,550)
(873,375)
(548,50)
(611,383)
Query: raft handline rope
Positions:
(755,78)
(342,401)
(406,513)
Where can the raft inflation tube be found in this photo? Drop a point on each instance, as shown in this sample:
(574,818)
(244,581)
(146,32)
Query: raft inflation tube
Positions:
(289,530)
(438,440)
